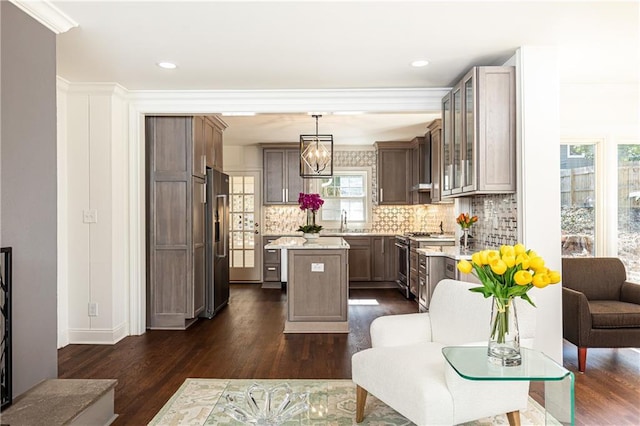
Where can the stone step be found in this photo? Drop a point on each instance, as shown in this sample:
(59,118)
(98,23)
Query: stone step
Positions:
(64,402)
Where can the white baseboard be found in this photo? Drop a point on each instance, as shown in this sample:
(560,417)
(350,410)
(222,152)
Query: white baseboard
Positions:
(98,336)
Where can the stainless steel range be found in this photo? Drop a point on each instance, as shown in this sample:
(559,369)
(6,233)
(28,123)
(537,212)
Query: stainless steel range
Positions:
(407,257)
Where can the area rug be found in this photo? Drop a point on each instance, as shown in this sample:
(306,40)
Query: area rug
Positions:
(332,402)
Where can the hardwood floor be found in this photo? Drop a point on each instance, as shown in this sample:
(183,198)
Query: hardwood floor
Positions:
(245,340)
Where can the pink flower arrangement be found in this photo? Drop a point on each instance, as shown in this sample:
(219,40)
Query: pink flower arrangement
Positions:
(310,202)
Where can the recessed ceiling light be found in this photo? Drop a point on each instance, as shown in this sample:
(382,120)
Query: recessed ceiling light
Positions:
(420,63)
(167,65)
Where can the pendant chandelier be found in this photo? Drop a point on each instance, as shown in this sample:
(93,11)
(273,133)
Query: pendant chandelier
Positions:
(316,154)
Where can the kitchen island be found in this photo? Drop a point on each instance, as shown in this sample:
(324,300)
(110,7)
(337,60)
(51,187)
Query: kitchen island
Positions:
(317,274)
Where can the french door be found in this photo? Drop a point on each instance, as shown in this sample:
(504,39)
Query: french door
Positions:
(245,252)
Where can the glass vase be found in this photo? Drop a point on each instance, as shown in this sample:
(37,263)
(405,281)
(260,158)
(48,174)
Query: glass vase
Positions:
(465,239)
(504,338)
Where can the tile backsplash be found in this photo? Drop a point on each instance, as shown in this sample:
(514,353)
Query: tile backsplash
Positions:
(386,219)
(497,220)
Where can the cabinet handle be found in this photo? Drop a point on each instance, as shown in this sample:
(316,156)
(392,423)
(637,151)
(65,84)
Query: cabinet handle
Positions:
(204,165)
(381,194)
(284,199)
(271,269)
(271,251)
(384,243)
(204,194)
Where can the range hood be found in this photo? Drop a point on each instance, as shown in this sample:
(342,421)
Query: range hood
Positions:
(422,187)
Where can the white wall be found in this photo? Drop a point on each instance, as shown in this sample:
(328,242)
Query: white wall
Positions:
(97,179)
(539,181)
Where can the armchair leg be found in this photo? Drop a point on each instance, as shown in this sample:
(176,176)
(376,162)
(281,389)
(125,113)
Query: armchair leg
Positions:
(361,399)
(582,359)
(514,418)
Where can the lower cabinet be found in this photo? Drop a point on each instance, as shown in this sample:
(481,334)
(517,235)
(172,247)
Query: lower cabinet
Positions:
(372,258)
(359,258)
(431,270)
(271,264)
(451,271)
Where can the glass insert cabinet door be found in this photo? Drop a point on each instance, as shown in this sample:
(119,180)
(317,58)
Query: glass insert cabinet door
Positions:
(471,363)
(446,163)
(468,177)
(457,140)
(244,230)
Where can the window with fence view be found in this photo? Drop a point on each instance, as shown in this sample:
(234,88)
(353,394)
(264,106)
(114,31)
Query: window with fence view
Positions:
(578,182)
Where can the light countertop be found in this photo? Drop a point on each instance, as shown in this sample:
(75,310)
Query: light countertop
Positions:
(452,252)
(314,244)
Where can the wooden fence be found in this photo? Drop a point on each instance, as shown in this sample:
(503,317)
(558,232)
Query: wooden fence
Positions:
(577,186)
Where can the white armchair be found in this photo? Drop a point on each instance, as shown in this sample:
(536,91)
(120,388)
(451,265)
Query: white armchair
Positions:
(406,370)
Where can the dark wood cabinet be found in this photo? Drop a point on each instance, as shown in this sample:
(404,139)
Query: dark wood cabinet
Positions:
(213,128)
(383,259)
(282,181)
(479,132)
(359,258)
(434,133)
(421,169)
(395,173)
(271,264)
(175,231)
(198,200)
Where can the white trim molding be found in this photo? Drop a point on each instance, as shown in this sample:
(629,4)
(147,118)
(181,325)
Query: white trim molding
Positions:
(47,14)
(104,336)
(289,101)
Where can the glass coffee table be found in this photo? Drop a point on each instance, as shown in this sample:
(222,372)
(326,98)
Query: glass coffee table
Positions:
(471,363)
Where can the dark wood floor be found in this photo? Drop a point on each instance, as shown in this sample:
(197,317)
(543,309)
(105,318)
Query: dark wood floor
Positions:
(245,340)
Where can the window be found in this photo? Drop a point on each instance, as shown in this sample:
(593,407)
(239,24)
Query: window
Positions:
(629,209)
(345,191)
(601,201)
(578,200)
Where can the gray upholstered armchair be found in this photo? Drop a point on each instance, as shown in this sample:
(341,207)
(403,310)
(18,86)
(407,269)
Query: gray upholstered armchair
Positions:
(600,308)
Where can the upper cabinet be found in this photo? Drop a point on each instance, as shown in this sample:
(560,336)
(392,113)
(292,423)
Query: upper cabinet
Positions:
(207,145)
(421,169)
(478,134)
(395,173)
(434,134)
(213,129)
(282,181)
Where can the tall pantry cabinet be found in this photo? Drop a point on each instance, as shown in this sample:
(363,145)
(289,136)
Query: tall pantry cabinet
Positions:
(178,152)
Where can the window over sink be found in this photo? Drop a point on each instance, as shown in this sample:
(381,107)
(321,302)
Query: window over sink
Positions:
(346,191)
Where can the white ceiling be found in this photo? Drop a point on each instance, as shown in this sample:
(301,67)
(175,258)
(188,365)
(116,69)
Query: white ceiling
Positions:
(259,45)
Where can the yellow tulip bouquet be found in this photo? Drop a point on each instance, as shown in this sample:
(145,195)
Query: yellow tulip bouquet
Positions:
(505,274)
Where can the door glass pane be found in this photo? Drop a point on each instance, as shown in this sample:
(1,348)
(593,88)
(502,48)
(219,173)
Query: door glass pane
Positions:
(237,260)
(236,204)
(236,222)
(248,184)
(629,209)
(249,259)
(578,199)
(248,203)
(236,184)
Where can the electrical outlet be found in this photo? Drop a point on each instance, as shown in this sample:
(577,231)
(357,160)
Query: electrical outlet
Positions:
(93,309)
(90,216)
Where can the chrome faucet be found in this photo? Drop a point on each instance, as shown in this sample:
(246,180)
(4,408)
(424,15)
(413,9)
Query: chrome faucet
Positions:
(343,221)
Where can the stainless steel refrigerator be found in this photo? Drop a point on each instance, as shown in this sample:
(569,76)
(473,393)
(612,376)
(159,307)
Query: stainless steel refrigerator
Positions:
(217,243)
